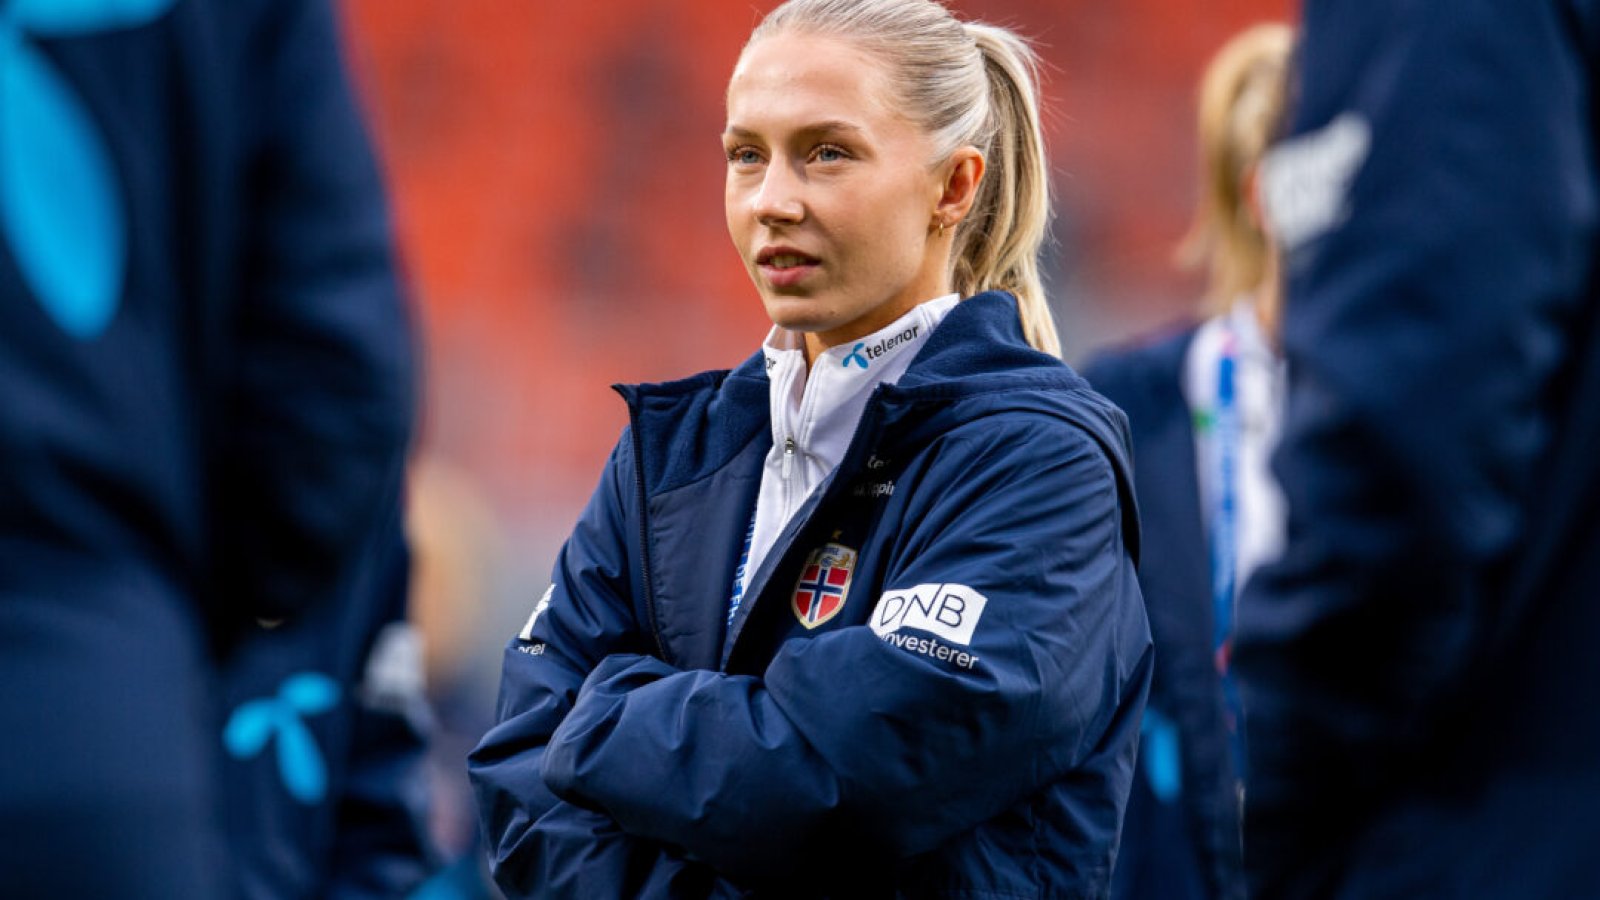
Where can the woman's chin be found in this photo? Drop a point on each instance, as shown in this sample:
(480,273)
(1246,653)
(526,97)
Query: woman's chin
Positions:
(796,314)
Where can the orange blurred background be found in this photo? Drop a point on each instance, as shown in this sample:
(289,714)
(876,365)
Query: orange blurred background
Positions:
(557,176)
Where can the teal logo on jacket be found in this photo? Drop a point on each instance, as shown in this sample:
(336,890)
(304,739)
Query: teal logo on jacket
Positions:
(856,357)
(61,208)
(280,720)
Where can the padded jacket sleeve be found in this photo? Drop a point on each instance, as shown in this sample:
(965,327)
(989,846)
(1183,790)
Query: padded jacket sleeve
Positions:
(539,845)
(1439,210)
(855,747)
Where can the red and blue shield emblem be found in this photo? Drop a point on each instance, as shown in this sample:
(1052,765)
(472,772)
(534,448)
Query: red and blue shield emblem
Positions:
(824,584)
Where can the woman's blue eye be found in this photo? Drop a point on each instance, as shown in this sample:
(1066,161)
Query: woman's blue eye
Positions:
(744,156)
(829,154)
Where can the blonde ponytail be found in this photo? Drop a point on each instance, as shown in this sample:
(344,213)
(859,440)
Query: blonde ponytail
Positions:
(997,245)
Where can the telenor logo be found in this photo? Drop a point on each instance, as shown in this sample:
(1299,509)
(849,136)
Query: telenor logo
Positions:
(62,213)
(281,719)
(862,355)
(950,611)
(856,357)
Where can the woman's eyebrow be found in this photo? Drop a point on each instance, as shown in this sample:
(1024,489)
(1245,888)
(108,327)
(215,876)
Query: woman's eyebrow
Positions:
(824,128)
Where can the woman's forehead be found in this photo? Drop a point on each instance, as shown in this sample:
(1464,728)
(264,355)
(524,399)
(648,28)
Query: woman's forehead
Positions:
(805,80)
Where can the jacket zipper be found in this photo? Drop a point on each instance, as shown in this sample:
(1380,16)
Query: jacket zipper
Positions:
(791,447)
(644,537)
(779,552)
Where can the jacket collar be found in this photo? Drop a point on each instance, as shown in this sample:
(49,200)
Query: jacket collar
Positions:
(975,363)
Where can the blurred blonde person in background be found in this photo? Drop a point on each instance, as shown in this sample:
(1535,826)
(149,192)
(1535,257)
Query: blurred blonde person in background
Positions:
(858,618)
(1204,404)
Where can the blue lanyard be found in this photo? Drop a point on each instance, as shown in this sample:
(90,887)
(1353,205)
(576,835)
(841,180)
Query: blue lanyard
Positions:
(738,573)
(1224,541)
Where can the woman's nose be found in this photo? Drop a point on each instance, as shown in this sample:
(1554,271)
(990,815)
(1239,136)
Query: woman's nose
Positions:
(779,200)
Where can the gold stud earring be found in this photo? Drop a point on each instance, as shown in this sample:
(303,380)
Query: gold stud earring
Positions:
(941,227)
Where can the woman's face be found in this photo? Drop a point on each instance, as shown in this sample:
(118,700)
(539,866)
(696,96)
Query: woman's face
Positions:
(830,198)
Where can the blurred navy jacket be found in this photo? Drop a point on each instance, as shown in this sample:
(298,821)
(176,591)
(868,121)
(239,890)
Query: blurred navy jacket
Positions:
(326,744)
(205,397)
(1181,836)
(1422,681)
(931,689)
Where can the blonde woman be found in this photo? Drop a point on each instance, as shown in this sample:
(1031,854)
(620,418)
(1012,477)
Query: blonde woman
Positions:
(858,618)
(1203,406)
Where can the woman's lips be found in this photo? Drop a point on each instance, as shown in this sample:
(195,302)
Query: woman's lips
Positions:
(784,268)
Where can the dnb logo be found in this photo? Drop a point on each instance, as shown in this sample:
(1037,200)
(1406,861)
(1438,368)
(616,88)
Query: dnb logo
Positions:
(824,583)
(950,611)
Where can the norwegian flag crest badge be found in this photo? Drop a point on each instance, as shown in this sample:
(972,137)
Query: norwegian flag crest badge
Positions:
(824,584)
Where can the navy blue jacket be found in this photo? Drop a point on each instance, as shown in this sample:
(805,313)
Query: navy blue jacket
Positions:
(964,721)
(1421,679)
(205,396)
(1181,836)
(326,744)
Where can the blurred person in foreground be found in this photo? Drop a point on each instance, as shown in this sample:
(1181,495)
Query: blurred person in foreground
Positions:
(205,399)
(326,740)
(858,618)
(1422,687)
(1204,407)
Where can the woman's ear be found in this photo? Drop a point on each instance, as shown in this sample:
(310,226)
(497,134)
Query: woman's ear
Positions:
(963,173)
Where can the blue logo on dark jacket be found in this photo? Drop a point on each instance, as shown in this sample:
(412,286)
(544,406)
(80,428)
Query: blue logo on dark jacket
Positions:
(61,210)
(282,717)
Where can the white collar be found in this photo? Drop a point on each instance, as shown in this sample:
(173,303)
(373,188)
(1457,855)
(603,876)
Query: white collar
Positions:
(818,408)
